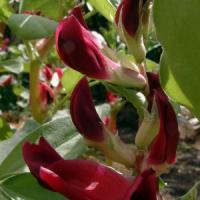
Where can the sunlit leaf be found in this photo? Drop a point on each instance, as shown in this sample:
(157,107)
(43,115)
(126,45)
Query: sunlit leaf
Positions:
(5,10)
(44,6)
(105,7)
(30,27)
(59,133)
(5,130)
(178,31)
(25,187)
(70,79)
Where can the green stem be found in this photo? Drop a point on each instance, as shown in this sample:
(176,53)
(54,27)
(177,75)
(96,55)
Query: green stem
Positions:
(35,91)
(43,47)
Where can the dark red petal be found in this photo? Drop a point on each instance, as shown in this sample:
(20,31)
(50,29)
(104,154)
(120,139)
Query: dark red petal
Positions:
(111,97)
(47,72)
(77,49)
(7,81)
(5,44)
(46,94)
(131,16)
(83,112)
(77,12)
(83,180)
(39,155)
(59,71)
(163,147)
(144,186)
(117,15)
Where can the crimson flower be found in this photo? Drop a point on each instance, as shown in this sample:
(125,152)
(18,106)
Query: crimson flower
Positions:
(130,11)
(6,80)
(80,50)
(83,113)
(84,179)
(46,95)
(47,73)
(89,124)
(4,45)
(129,20)
(163,147)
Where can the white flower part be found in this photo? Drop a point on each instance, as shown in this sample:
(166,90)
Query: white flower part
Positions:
(55,80)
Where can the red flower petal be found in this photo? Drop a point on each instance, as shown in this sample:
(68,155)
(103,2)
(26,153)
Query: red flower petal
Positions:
(83,112)
(39,155)
(77,12)
(6,80)
(77,49)
(144,186)
(46,94)
(47,72)
(163,147)
(59,71)
(130,11)
(83,180)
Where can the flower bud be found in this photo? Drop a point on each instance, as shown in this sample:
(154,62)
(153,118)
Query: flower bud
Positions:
(163,147)
(129,23)
(88,123)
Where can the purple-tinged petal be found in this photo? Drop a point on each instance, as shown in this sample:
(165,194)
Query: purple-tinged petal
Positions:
(83,113)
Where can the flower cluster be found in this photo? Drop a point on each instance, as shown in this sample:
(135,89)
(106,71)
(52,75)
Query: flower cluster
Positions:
(157,136)
(50,84)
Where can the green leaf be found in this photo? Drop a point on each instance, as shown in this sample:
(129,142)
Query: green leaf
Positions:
(45,6)
(192,194)
(12,65)
(151,65)
(70,79)
(105,7)
(132,96)
(5,10)
(5,131)
(30,27)
(177,26)
(25,187)
(60,133)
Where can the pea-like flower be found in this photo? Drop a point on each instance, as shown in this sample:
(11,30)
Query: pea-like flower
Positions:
(80,50)
(131,19)
(84,179)
(89,124)
(46,95)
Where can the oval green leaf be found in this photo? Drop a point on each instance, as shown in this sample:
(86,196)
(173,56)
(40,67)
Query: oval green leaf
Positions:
(30,27)
(178,30)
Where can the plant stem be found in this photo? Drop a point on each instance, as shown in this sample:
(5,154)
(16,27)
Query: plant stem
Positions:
(43,47)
